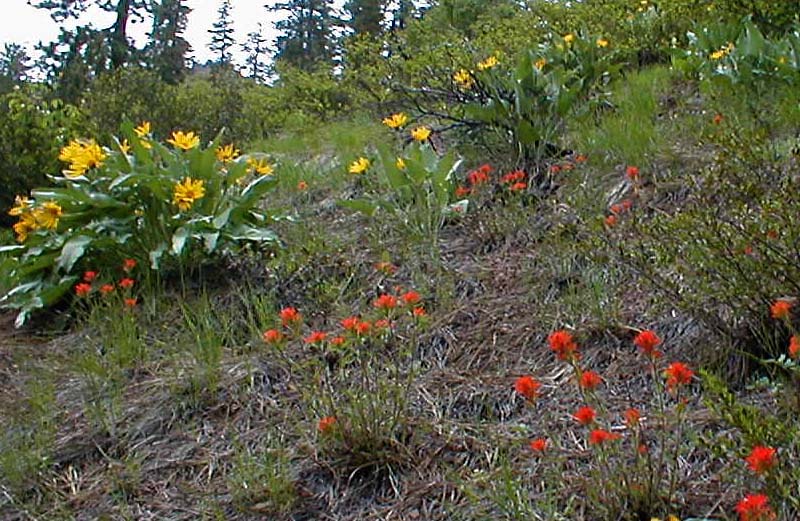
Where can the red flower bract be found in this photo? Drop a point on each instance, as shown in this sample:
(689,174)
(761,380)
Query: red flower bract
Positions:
(610,221)
(538,445)
(761,459)
(562,344)
(527,387)
(130,302)
(585,415)
(632,172)
(128,265)
(385,302)
(272,336)
(794,347)
(83,289)
(290,315)
(316,337)
(363,328)
(419,311)
(126,283)
(411,297)
(382,324)
(518,187)
(755,507)
(105,289)
(632,417)
(89,276)
(462,191)
(337,341)
(326,424)
(350,323)
(648,341)
(477,177)
(600,436)
(590,380)
(677,374)
(780,309)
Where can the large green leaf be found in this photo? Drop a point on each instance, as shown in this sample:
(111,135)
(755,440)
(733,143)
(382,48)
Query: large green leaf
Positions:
(251,233)
(72,251)
(179,239)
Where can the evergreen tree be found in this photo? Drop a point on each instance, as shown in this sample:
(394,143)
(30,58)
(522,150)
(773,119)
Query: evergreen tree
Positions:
(366,16)
(402,14)
(167,49)
(117,48)
(256,50)
(308,32)
(222,40)
(14,65)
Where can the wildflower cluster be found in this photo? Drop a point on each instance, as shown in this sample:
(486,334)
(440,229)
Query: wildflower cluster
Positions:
(34,217)
(82,155)
(352,338)
(93,282)
(136,199)
(599,423)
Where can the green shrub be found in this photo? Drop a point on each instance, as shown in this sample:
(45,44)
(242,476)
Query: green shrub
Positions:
(33,128)
(162,207)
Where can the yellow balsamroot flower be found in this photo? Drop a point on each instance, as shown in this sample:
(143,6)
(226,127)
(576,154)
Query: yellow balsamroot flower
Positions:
(488,63)
(227,153)
(463,78)
(569,38)
(48,215)
(602,42)
(396,120)
(540,63)
(260,166)
(26,224)
(359,166)
(400,164)
(726,50)
(21,205)
(124,146)
(81,155)
(183,141)
(187,192)
(143,130)
(421,134)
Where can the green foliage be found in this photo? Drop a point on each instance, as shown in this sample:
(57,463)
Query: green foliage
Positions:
(131,206)
(416,193)
(261,480)
(724,253)
(27,440)
(530,102)
(33,128)
(628,131)
(741,54)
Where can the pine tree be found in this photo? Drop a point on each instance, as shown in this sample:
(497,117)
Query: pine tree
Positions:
(14,65)
(308,32)
(402,14)
(167,49)
(366,16)
(116,48)
(256,50)
(222,40)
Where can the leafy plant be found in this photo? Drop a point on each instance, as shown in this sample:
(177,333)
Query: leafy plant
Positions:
(415,189)
(160,206)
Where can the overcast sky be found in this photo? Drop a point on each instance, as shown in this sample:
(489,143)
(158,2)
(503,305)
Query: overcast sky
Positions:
(21,23)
